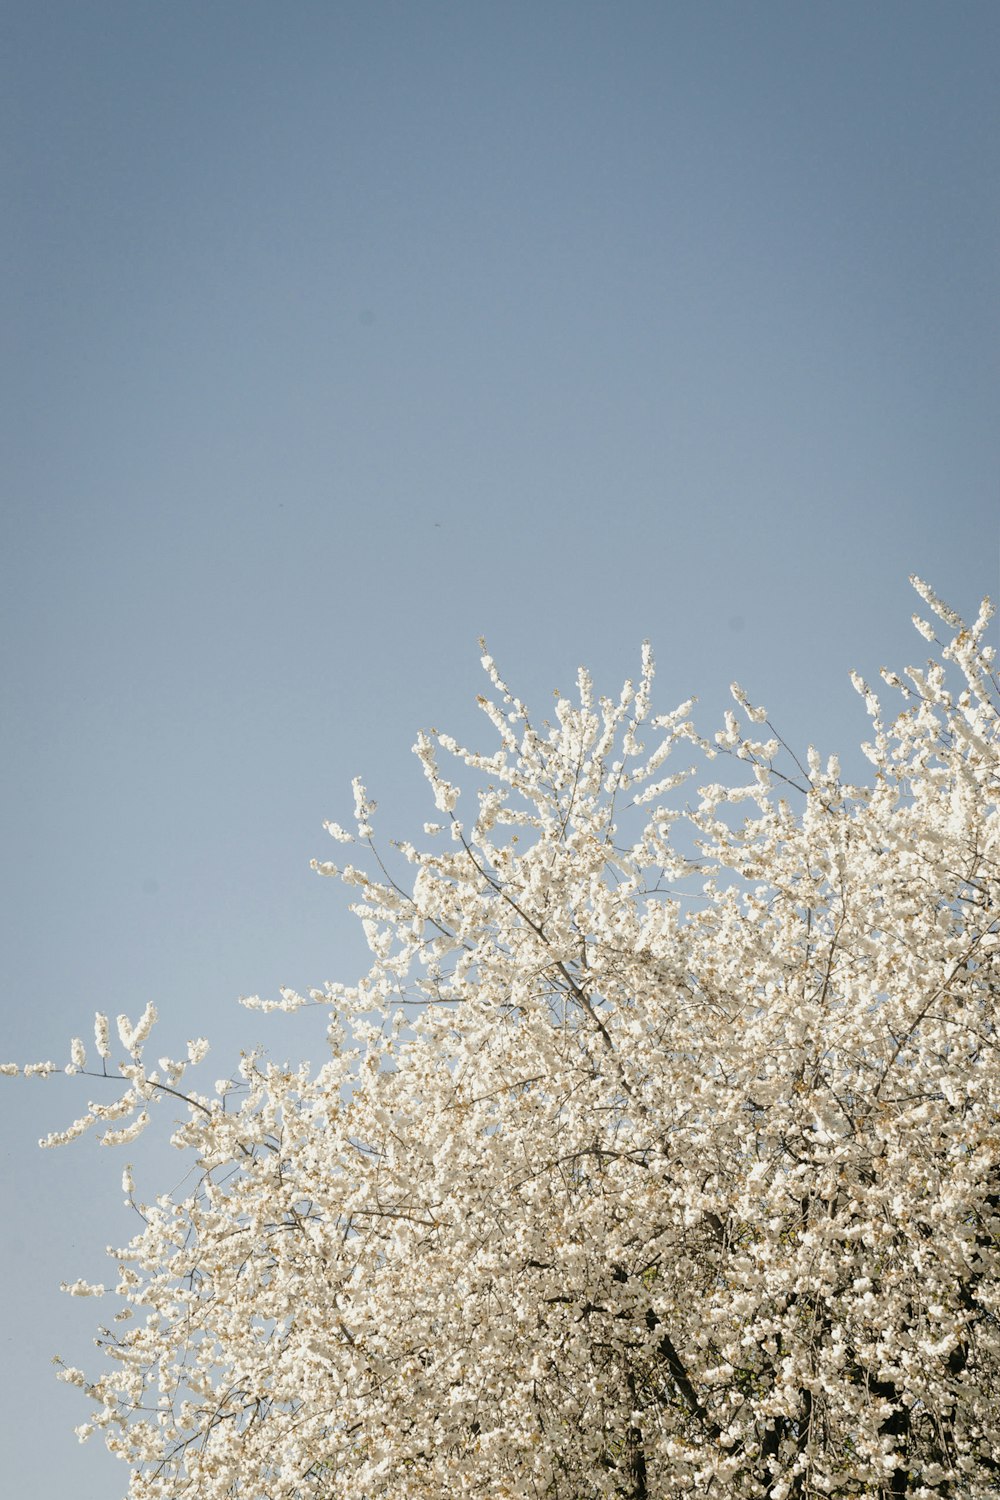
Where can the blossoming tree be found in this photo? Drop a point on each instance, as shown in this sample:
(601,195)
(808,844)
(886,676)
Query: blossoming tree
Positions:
(658,1153)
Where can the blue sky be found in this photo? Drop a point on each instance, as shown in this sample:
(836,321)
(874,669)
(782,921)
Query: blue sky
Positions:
(336,335)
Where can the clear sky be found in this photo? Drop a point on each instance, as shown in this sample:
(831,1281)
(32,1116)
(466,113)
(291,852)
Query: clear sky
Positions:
(335,335)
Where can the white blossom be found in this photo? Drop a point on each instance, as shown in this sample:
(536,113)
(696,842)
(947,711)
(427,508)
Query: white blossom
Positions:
(101,1035)
(654,1155)
(128,1133)
(143,1026)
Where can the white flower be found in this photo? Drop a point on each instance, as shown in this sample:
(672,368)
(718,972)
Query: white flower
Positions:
(128,1133)
(101,1035)
(144,1025)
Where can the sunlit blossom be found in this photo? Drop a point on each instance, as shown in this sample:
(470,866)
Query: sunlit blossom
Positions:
(655,1155)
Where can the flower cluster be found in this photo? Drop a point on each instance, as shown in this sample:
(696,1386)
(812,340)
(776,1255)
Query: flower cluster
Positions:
(657,1154)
